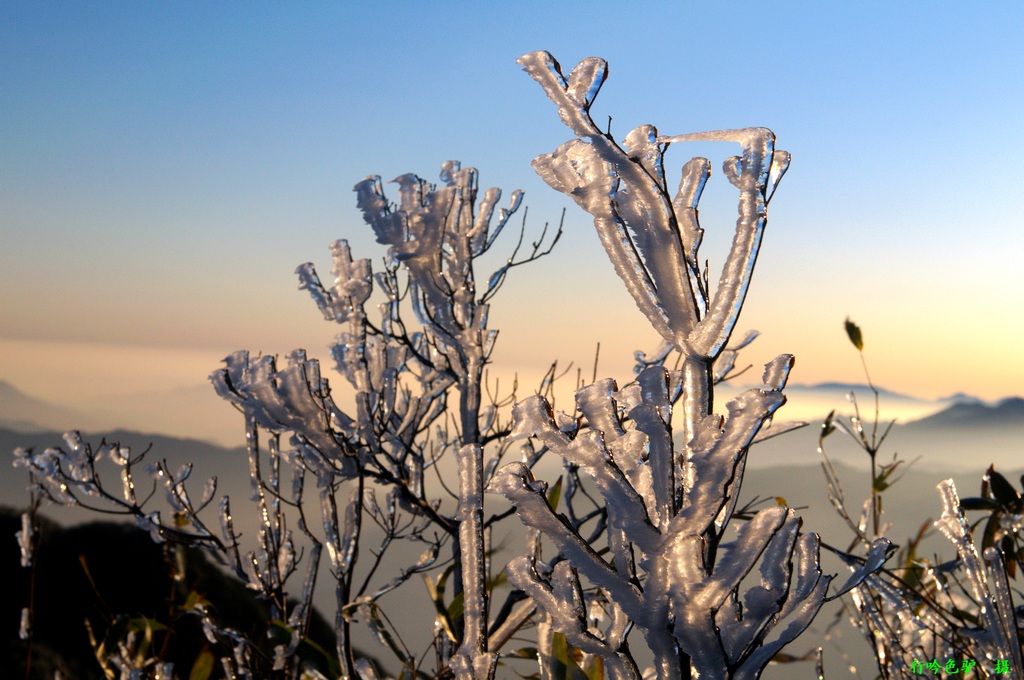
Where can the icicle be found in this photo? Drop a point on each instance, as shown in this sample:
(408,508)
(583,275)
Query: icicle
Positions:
(26,539)
(227,529)
(25,629)
(999,619)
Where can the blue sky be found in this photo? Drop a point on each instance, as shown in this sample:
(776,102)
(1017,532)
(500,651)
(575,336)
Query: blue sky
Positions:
(165,166)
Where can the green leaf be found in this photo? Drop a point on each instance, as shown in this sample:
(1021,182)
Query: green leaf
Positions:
(193,599)
(853,332)
(141,624)
(456,606)
(882,480)
(312,655)
(316,657)
(202,668)
(436,592)
(555,493)
(564,666)
(525,652)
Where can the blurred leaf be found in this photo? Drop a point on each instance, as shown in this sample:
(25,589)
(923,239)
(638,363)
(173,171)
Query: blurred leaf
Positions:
(853,331)
(555,493)
(966,616)
(115,634)
(779,500)
(782,657)
(456,606)
(595,669)
(383,635)
(525,652)
(316,657)
(436,593)
(500,579)
(975,503)
(988,539)
(564,667)
(192,600)
(312,655)
(141,624)
(827,427)
(1010,565)
(1003,491)
(202,668)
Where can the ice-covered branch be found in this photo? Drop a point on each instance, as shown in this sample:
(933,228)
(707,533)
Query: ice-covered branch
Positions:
(669,505)
(999,637)
(684,576)
(652,238)
(294,400)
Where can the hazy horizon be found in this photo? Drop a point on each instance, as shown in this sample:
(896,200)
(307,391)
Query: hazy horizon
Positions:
(166,167)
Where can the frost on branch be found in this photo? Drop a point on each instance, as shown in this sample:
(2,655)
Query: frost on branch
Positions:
(673,570)
(663,576)
(436,233)
(653,238)
(293,400)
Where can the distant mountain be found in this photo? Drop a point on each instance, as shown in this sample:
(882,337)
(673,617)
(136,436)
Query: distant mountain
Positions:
(961,398)
(843,389)
(161,445)
(1007,413)
(230,466)
(191,412)
(194,411)
(813,401)
(24,413)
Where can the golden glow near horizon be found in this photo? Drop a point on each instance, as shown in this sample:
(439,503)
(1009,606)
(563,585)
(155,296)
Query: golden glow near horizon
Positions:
(164,173)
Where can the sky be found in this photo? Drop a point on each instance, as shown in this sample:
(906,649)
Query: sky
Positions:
(164,167)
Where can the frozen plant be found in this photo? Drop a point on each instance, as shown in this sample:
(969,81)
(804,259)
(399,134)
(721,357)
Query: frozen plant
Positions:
(709,599)
(675,571)
(926,617)
(320,473)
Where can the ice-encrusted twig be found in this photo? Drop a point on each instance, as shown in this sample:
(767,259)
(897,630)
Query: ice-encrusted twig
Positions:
(682,581)
(654,249)
(990,590)
(437,233)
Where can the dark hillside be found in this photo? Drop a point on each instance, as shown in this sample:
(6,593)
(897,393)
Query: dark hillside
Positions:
(127,574)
